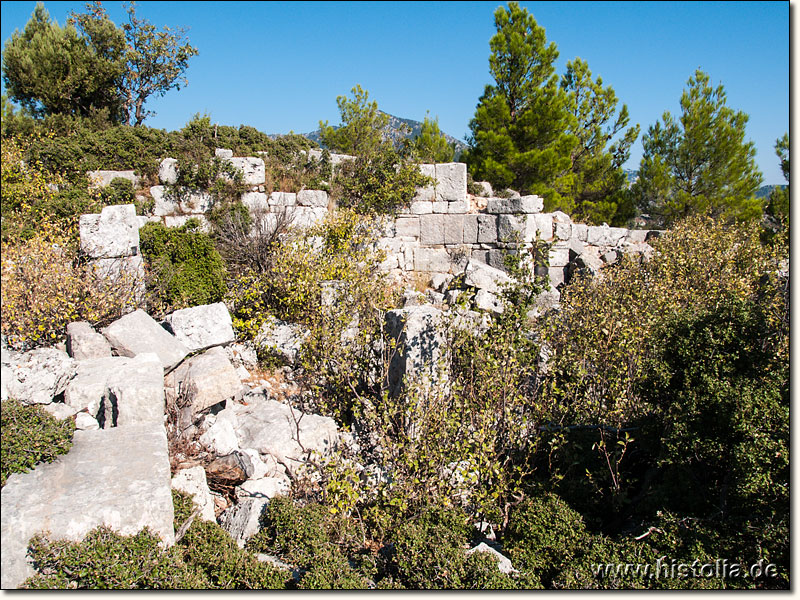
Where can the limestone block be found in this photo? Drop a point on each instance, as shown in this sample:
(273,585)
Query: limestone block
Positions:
(485,189)
(617,234)
(563,231)
(471,229)
(482,276)
(589,263)
(544,303)
(252,169)
(282,338)
(84,342)
(193,481)
(306,216)
(134,393)
(580,231)
(432,229)
(59,410)
(112,233)
(451,182)
(201,327)
(427,193)
(440,207)
(220,437)
(138,332)
(37,376)
(521,205)
(184,202)
(242,354)
(264,487)
(407,227)
(637,235)
(101,179)
(497,259)
(559,254)
(241,520)
(598,235)
(558,276)
(181,220)
(205,379)
(127,271)
(453,229)
(511,228)
(486,300)
(420,338)
(86,391)
(561,217)
(282,199)
(431,260)
(255,201)
(487,229)
(285,433)
(314,198)
(421,207)
(458,208)
(168,171)
(223,153)
(610,257)
(86,422)
(96,483)
(440,281)
(264,465)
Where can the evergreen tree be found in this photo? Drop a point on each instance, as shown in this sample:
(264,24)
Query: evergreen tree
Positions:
(778,205)
(701,162)
(594,188)
(430,145)
(521,129)
(363,128)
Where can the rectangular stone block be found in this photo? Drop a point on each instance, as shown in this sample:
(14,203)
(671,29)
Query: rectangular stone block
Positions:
(431,229)
(451,182)
(431,260)
(421,208)
(558,276)
(559,255)
(440,207)
(563,231)
(487,229)
(407,227)
(255,200)
(617,234)
(580,231)
(252,169)
(522,205)
(427,193)
(510,228)
(471,229)
(598,235)
(457,207)
(497,259)
(454,229)
(637,235)
(282,199)
(314,198)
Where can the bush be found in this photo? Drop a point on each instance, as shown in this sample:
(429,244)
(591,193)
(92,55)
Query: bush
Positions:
(45,286)
(30,436)
(184,268)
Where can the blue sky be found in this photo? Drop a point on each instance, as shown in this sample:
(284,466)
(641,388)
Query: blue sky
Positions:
(279,66)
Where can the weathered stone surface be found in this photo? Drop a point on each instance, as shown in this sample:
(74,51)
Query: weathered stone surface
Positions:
(138,332)
(193,482)
(87,389)
(503,563)
(181,220)
(168,171)
(431,229)
(559,254)
(284,339)
(521,205)
(201,327)
(486,300)
(84,342)
(460,207)
(96,483)
(283,432)
(482,276)
(407,227)
(123,272)
(599,235)
(39,375)
(540,226)
(255,201)
(420,207)
(420,344)
(59,410)
(471,229)
(440,207)
(580,231)
(487,229)
(86,422)
(511,228)
(589,263)
(306,216)
(314,198)
(134,393)
(242,354)
(485,189)
(252,169)
(440,281)
(544,302)
(558,276)
(431,260)
(223,152)
(241,521)
(220,436)
(185,202)
(205,379)
(101,179)
(264,487)
(451,182)
(112,233)
(427,193)
(282,199)
(637,235)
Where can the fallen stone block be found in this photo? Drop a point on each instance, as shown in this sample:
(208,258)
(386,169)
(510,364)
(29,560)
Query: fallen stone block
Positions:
(112,233)
(138,332)
(205,380)
(84,342)
(484,189)
(86,391)
(241,520)
(486,300)
(503,564)
(484,277)
(37,376)
(134,393)
(96,483)
(520,205)
(431,260)
(193,482)
(201,327)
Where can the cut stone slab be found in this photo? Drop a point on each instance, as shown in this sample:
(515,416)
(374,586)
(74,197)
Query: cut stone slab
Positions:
(84,342)
(85,391)
(241,521)
(206,379)
(451,182)
(285,433)
(313,198)
(135,393)
(138,332)
(112,233)
(520,205)
(484,277)
(420,342)
(252,169)
(96,483)
(201,327)
(255,200)
(193,482)
(168,171)
(39,375)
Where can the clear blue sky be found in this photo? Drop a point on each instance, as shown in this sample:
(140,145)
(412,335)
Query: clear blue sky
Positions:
(279,66)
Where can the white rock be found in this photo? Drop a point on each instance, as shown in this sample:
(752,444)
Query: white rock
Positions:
(193,481)
(39,375)
(138,332)
(112,233)
(201,327)
(84,342)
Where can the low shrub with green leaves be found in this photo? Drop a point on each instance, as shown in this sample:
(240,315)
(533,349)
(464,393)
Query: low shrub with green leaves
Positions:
(30,436)
(184,268)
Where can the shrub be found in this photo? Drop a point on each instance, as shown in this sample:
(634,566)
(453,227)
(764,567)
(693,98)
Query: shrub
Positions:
(184,268)
(45,286)
(30,436)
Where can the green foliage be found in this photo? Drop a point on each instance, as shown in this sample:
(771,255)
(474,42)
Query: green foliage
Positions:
(779,199)
(429,145)
(701,162)
(362,131)
(31,436)
(521,132)
(184,267)
(49,69)
(378,183)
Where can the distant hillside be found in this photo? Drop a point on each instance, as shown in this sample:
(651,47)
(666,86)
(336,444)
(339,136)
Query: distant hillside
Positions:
(398,129)
(766,190)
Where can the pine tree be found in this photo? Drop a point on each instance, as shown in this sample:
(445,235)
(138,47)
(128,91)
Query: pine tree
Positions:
(701,162)
(363,129)
(778,204)
(520,132)
(429,145)
(594,189)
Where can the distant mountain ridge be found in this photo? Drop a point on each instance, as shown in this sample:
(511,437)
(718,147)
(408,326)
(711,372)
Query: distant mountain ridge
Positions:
(399,129)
